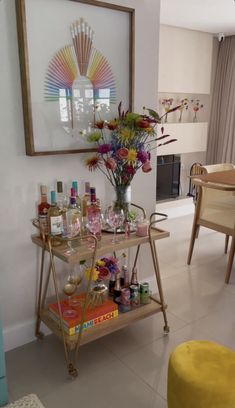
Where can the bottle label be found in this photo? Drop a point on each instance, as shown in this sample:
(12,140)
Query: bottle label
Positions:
(56,224)
(43,222)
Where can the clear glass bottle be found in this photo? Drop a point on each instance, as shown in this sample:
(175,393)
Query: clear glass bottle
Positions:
(73,216)
(43,208)
(86,199)
(94,215)
(62,199)
(55,217)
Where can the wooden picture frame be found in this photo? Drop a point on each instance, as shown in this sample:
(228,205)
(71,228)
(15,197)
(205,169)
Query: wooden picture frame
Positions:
(76,62)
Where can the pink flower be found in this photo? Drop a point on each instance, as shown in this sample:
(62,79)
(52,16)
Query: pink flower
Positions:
(147,167)
(111,164)
(130,170)
(104,273)
(122,153)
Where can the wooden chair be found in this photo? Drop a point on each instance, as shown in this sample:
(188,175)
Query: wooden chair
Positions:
(215,209)
(211,168)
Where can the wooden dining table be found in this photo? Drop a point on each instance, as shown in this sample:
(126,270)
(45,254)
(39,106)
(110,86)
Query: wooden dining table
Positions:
(219,177)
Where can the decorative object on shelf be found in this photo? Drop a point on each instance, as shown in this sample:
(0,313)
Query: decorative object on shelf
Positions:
(184,106)
(103,270)
(196,106)
(167,103)
(124,146)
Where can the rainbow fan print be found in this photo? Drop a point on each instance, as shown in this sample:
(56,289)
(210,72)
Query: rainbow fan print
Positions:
(80,78)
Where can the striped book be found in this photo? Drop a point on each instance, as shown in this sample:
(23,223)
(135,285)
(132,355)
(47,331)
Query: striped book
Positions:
(93,316)
(86,325)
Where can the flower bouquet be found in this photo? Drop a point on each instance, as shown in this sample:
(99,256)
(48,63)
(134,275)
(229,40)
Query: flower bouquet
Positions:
(184,106)
(124,145)
(167,106)
(103,270)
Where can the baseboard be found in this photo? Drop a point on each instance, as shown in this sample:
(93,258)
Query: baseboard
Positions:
(176,208)
(20,334)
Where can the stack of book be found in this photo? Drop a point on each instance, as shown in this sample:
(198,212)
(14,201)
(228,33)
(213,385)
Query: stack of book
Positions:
(93,316)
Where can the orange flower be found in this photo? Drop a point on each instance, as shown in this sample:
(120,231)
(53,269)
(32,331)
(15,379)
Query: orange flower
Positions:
(147,167)
(93,162)
(111,164)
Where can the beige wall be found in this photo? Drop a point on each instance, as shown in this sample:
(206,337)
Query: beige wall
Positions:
(21,175)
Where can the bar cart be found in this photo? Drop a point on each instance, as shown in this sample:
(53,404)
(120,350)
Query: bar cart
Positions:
(72,343)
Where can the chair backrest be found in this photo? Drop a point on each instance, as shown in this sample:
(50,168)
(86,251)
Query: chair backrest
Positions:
(217,208)
(217,167)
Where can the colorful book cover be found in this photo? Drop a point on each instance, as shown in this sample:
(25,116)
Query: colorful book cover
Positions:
(90,314)
(86,325)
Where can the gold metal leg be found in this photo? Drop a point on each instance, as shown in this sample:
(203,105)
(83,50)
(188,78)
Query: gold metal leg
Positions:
(71,368)
(166,327)
(39,334)
(230,260)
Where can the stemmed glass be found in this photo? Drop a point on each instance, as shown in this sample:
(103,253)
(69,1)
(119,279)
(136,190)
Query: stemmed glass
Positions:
(94,226)
(69,289)
(115,218)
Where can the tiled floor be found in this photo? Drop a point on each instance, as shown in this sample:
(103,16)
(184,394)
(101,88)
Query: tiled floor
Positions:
(129,368)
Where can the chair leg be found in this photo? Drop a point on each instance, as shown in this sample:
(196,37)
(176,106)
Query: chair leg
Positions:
(194,235)
(226,244)
(230,260)
(197,232)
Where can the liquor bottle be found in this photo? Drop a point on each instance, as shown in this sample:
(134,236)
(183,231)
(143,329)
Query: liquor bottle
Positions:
(86,199)
(73,216)
(62,199)
(78,199)
(134,280)
(55,219)
(117,289)
(124,272)
(94,215)
(43,208)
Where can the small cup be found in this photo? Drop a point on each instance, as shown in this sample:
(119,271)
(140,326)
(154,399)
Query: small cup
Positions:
(142,228)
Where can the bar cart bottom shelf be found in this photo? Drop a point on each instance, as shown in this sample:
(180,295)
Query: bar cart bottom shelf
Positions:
(123,319)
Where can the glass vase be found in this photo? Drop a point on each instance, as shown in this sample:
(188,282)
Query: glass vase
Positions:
(122,199)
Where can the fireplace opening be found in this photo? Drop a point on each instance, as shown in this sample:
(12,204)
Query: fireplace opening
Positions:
(168,177)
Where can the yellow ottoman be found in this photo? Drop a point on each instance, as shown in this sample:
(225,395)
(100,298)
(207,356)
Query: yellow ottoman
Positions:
(201,374)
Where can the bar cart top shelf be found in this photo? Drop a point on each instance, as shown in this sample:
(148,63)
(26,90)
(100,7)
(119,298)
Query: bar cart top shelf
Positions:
(105,245)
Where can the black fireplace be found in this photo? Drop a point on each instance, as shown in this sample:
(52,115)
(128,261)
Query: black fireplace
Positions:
(168,177)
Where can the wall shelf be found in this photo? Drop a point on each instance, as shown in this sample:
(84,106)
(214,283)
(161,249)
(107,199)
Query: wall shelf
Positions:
(191,137)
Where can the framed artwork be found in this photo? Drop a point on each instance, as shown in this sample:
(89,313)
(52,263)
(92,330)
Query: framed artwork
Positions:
(76,60)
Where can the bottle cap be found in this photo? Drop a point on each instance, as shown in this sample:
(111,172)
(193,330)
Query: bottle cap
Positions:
(92,190)
(43,190)
(59,187)
(75,185)
(72,200)
(53,197)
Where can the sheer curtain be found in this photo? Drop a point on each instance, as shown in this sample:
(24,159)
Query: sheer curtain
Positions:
(221,136)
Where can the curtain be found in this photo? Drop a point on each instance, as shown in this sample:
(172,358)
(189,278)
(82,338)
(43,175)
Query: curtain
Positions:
(221,134)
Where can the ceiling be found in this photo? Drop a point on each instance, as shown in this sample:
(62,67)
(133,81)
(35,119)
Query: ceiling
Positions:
(212,16)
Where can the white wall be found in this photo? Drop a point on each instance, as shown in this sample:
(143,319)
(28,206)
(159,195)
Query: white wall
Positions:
(185,61)
(20,176)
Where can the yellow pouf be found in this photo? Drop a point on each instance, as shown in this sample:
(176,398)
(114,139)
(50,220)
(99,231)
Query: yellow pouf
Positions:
(201,374)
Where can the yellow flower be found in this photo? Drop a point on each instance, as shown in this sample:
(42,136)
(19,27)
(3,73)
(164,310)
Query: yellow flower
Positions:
(132,155)
(126,135)
(95,274)
(100,263)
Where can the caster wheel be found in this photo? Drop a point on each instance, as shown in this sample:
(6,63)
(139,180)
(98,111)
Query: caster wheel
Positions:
(40,335)
(72,371)
(166,330)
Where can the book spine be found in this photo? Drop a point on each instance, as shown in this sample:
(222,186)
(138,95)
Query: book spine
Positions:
(86,325)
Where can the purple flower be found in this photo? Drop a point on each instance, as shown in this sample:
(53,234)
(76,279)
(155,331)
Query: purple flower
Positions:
(142,155)
(105,148)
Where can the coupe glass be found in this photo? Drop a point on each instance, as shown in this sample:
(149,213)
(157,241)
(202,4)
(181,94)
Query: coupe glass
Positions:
(69,289)
(115,218)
